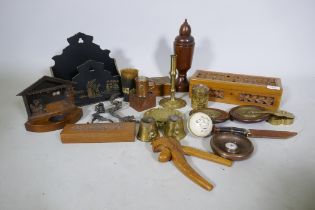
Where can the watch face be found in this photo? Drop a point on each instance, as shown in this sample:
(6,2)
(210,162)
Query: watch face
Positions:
(199,124)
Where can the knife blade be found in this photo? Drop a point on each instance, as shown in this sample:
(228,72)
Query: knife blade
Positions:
(256,133)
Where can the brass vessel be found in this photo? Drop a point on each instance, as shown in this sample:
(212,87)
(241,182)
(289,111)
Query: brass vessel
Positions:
(175,127)
(148,129)
(142,86)
(161,115)
(200,96)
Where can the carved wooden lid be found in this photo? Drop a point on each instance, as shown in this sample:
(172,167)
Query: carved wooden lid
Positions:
(184,36)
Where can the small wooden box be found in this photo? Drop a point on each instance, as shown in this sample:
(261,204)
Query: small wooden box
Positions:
(160,86)
(98,132)
(140,104)
(240,89)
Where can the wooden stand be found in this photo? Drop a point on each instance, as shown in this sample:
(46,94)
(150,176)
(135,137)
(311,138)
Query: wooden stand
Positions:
(54,121)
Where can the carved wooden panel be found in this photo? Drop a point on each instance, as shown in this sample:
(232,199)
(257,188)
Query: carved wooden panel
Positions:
(237,78)
(216,93)
(257,99)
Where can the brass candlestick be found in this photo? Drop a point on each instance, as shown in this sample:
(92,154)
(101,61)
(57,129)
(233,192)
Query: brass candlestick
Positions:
(172,102)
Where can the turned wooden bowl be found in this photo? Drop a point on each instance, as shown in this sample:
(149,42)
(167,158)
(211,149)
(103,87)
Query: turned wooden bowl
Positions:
(231,146)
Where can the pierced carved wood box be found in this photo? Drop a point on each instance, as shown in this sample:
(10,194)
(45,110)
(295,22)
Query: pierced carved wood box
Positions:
(240,89)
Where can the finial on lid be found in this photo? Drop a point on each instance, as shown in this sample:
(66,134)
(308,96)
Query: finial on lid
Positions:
(185,29)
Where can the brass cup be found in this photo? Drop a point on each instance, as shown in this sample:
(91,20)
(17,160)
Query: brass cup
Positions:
(128,82)
(200,96)
(142,86)
(148,130)
(175,127)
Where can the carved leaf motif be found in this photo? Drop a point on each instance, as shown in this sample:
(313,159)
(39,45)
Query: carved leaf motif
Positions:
(265,100)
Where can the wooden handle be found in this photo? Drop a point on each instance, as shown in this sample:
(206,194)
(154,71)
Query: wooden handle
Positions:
(240,131)
(206,156)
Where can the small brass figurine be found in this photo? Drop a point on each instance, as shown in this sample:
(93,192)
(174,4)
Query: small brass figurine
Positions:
(172,102)
(184,49)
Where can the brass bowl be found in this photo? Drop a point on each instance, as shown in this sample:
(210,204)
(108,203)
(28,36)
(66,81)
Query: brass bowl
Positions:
(231,146)
(249,114)
(161,115)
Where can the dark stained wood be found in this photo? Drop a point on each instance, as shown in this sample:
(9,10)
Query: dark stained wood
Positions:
(184,49)
(142,103)
(94,83)
(49,103)
(81,49)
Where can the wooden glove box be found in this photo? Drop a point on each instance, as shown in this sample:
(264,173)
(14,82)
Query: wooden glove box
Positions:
(99,132)
(239,88)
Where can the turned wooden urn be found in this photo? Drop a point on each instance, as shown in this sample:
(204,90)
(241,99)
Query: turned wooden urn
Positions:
(184,49)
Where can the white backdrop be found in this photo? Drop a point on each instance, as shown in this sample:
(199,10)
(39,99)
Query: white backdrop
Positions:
(263,37)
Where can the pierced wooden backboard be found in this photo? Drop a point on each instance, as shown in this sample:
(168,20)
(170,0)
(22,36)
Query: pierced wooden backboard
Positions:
(81,49)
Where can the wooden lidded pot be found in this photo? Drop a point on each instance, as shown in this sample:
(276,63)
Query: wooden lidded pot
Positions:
(184,49)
